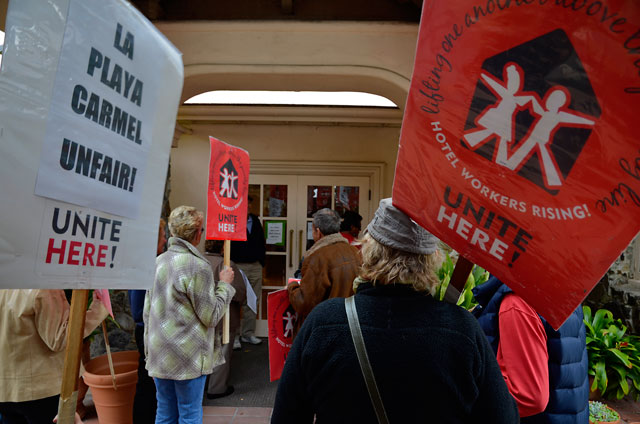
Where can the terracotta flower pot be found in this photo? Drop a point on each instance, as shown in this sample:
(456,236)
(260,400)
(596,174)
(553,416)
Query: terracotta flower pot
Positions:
(113,406)
(607,422)
(618,421)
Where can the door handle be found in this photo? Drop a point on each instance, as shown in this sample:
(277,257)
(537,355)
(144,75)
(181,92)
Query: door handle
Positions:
(300,247)
(290,248)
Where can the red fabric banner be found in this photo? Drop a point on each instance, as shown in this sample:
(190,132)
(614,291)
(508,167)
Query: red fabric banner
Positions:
(228,192)
(281,319)
(518,147)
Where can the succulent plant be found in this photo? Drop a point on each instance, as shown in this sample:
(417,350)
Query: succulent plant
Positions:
(598,411)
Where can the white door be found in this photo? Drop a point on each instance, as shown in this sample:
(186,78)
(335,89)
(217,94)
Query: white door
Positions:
(285,205)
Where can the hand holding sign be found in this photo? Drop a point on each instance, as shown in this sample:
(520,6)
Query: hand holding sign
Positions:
(226,275)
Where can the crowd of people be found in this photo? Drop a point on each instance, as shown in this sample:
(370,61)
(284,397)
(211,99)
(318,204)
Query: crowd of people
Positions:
(392,353)
(371,343)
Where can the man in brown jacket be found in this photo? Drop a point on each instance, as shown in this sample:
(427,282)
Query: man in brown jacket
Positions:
(329,268)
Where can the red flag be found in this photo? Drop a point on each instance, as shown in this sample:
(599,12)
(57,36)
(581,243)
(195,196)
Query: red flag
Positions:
(228,192)
(281,319)
(518,147)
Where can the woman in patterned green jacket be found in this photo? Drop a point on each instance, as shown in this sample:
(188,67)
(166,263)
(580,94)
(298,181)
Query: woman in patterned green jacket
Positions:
(180,315)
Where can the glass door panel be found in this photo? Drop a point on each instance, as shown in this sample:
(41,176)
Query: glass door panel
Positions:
(274,271)
(318,197)
(254,193)
(309,232)
(275,193)
(285,205)
(275,200)
(347,198)
(340,193)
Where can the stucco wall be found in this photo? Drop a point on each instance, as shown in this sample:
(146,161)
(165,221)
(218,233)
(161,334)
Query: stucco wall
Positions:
(319,143)
(374,57)
(359,56)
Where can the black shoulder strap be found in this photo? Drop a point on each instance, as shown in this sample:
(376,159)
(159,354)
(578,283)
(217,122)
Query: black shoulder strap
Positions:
(363,359)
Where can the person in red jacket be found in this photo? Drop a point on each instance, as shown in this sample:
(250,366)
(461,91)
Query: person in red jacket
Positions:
(350,227)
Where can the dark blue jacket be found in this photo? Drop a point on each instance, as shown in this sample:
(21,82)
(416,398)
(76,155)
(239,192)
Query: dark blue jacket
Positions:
(431,362)
(568,359)
(136,301)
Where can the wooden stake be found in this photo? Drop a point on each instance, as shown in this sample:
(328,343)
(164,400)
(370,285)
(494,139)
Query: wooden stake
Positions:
(458,279)
(73,352)
(225,318)
(109,358)
(461,273)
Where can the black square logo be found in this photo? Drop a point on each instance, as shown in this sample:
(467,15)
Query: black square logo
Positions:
(533,110)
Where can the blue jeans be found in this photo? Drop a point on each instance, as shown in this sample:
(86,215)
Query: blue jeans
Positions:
(179,401)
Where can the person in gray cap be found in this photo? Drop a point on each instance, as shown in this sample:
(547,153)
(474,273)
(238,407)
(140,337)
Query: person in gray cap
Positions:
(427,361)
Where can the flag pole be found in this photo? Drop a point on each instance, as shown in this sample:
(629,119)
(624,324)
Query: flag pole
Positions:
(225,318)
(73,351)
(458,279)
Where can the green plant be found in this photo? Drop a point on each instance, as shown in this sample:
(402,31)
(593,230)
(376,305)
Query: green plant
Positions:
(598,411)
(476,277)
(614,356)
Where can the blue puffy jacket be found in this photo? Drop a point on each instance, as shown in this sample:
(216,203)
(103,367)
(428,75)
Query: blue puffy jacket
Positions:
(568,359)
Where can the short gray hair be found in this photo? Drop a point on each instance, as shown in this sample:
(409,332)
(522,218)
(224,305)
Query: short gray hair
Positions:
(185,222)
(327,221)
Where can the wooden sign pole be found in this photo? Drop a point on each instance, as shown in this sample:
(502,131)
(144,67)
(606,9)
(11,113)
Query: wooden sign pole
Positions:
(73,352)
(109,358)
(458,279)
(225,318)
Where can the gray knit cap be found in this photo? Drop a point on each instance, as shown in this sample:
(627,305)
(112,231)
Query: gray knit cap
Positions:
(391,227)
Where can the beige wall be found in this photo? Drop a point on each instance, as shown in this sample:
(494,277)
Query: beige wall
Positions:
(373,57)
(342,56)
(320,143)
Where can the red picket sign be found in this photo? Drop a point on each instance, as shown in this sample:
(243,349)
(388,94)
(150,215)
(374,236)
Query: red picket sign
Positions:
(228,192)
(281,319)
(517,145)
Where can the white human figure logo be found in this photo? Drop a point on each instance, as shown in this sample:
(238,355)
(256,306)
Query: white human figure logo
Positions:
(540,136)
(228,184)
(288,327)
(498,121)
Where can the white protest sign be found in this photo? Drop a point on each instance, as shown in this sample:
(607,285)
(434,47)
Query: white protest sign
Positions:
(103,104)
(252,299)
(89,92)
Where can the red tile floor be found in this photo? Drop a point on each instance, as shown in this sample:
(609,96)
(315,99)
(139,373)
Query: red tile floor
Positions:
(217,415)
(628,409)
